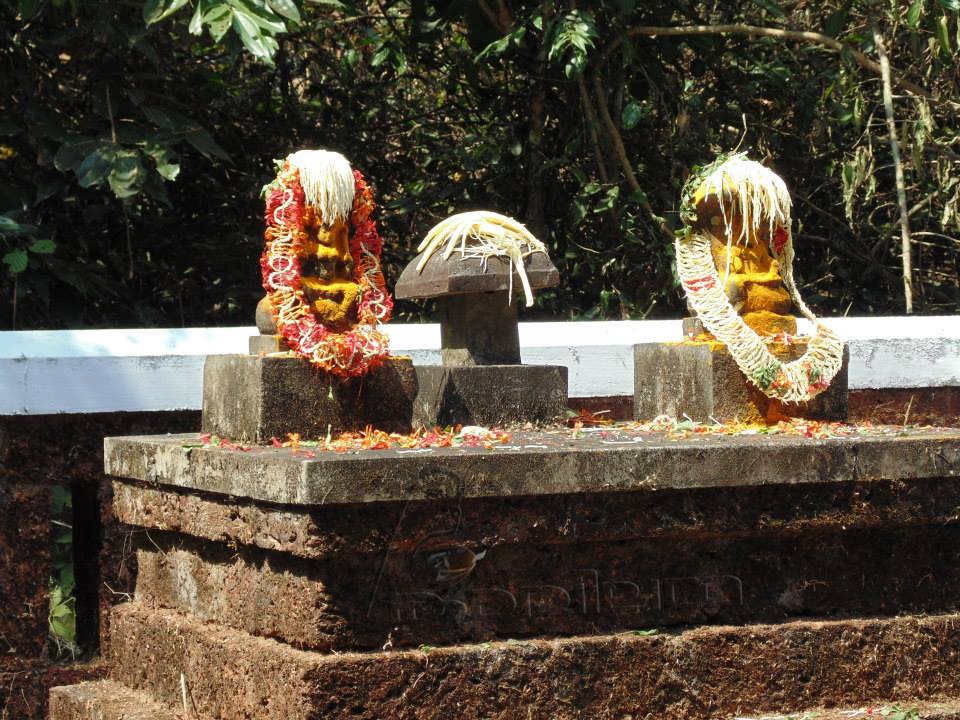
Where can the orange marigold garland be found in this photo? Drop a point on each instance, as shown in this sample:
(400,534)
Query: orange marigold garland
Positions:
(363,346)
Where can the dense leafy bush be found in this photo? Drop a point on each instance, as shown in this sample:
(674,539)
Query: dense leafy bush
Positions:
(135,136)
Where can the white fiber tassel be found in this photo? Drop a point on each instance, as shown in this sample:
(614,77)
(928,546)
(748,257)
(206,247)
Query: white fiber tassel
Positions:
(327,181)
(482,235)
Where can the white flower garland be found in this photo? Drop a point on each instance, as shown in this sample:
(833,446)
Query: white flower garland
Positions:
(761,196)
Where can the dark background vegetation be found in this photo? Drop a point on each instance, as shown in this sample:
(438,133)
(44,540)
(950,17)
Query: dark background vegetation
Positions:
(135,137)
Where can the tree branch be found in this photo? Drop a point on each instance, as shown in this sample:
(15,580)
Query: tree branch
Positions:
(618,147)
(905,246)
(621,152)
(592,123)
(831,44)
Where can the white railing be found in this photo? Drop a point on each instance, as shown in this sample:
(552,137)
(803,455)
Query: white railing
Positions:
(85,371)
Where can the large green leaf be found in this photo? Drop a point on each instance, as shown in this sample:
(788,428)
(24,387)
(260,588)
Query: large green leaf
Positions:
(253,39)
(127,174)
(836,21)
(96,166)
(16,261)
(262,15)
(44,246)
(286,8)
(196,21)
(166,161)
(72,153)
(9,226)
(203,142)
(914,13)
(943,35)
(219,19)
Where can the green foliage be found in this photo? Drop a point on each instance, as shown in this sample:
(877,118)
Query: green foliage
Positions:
(574,37)
(133,144)
(20,242)
(896,712)
(62,617)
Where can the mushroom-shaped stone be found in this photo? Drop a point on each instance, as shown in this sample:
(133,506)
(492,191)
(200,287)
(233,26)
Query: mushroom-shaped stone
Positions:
(488,259)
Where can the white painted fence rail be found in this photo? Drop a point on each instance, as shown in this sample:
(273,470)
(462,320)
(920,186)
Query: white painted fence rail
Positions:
(86,371)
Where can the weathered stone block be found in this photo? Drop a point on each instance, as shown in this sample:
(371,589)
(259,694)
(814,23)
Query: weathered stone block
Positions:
(105,700)
(701,380)
(698,674)
(269,596)
(453,584)
(325,531)
(266,344)
(490,394)
(249,398)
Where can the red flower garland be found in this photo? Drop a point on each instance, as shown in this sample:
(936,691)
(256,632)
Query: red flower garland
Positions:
(364,346)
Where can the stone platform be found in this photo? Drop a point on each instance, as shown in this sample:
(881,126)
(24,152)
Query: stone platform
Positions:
(563,574)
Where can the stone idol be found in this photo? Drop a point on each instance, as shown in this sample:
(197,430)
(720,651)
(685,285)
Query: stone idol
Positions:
(742,358)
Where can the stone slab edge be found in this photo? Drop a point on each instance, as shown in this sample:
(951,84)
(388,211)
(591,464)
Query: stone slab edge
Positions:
(700,673)
(310,532)
(279,476)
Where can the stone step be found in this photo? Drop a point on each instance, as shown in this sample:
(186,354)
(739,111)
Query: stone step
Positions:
(699,674)
(105,700)
(946,710)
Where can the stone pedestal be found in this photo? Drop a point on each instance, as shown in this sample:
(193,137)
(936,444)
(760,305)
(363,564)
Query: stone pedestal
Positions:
(701,380)
(479,329)
(253,399)
(517,582)
(490,394)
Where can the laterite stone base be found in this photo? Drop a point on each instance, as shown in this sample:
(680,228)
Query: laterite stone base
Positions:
(441,572)
(701,380)
(490,394)
(699,674)
(255,398)
(105,700)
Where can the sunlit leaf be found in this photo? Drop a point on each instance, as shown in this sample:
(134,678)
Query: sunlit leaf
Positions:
(156,10)
(249,31)
(196,21)
(96,166)
(287,8)
(914,13)
(219,19)
(943,35)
